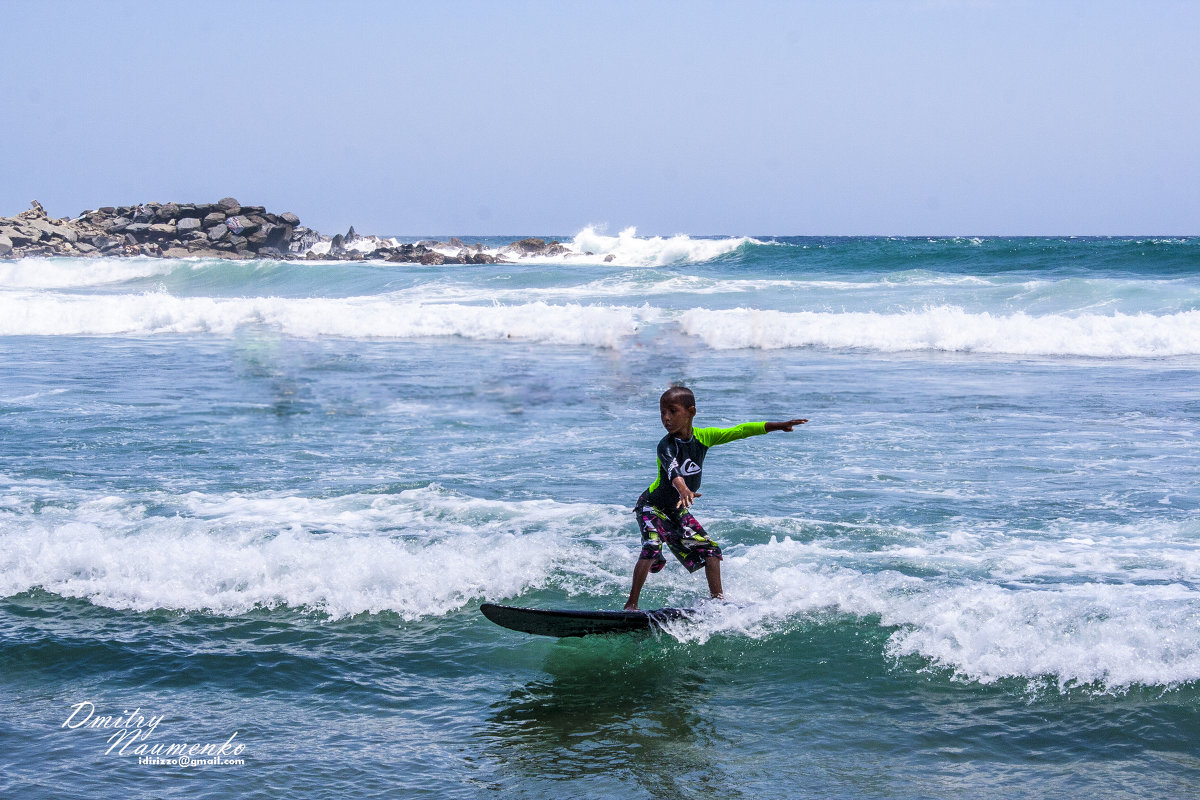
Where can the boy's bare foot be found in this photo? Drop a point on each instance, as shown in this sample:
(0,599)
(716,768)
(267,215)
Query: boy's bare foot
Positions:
(631,607)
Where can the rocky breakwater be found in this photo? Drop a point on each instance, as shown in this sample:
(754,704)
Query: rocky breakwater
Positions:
(225,229)
(353,247)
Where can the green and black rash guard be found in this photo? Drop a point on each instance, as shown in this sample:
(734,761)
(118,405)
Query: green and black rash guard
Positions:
(679,458)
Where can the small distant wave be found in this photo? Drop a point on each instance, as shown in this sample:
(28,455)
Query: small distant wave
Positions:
(67,273)
(952,329)
(18,400)
(636,285)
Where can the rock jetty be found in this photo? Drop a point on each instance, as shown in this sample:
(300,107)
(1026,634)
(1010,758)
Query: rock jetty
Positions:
(227,229)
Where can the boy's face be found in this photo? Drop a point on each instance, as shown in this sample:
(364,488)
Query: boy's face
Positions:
(675,418)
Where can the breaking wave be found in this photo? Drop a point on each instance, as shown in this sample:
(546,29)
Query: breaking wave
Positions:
(951,329)
(627,249)
(947,328)
(1098,606)
(362,317)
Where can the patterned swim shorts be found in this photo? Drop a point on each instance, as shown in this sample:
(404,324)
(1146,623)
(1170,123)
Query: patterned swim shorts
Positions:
(683,534)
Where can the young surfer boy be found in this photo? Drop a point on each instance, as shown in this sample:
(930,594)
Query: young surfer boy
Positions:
(662,510)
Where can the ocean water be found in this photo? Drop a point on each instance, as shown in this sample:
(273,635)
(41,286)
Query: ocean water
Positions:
(265,500)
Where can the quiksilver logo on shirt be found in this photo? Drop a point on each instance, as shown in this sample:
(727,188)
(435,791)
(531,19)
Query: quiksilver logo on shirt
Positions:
(689,467)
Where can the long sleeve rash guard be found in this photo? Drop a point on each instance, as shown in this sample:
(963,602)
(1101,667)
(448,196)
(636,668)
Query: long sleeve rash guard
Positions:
(679,458)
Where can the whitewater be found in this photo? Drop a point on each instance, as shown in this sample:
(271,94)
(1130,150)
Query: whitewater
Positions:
(271,496)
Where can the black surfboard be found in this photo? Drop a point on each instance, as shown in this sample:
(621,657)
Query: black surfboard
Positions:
(565,622)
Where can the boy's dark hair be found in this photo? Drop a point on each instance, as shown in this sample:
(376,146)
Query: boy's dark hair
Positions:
(678,394)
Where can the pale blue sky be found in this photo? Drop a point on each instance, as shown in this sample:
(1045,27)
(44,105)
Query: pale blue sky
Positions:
(542,117)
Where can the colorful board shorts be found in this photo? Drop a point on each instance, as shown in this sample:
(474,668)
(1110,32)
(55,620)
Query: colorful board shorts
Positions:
(683,534)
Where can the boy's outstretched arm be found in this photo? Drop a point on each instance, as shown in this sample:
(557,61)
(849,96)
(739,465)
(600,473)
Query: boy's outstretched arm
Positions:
(785,426)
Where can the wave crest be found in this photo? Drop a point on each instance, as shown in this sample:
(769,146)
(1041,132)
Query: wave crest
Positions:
(360,318)
(627,249)
(418,553)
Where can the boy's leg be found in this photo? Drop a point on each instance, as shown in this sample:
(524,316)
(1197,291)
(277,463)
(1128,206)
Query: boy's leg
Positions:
(696,550)
(651,558)
(712,571)
(640,571)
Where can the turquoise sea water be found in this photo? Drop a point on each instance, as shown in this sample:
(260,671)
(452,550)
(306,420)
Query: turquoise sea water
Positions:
(267,499)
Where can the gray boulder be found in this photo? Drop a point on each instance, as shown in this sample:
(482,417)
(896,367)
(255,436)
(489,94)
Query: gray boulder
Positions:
(229,204)
(279,237)
(303,240)
(48,230)
(240,226)
(536,247)
(187,225)
(107,242)
(23,236)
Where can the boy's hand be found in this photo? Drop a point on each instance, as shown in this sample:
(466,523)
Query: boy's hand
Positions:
(686,498)
(785,426)
(686,495)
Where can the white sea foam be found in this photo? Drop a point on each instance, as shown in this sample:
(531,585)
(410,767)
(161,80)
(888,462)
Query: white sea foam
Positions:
(418,553)
(362,244)
(952,329)
(1036,607)
(46,314)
